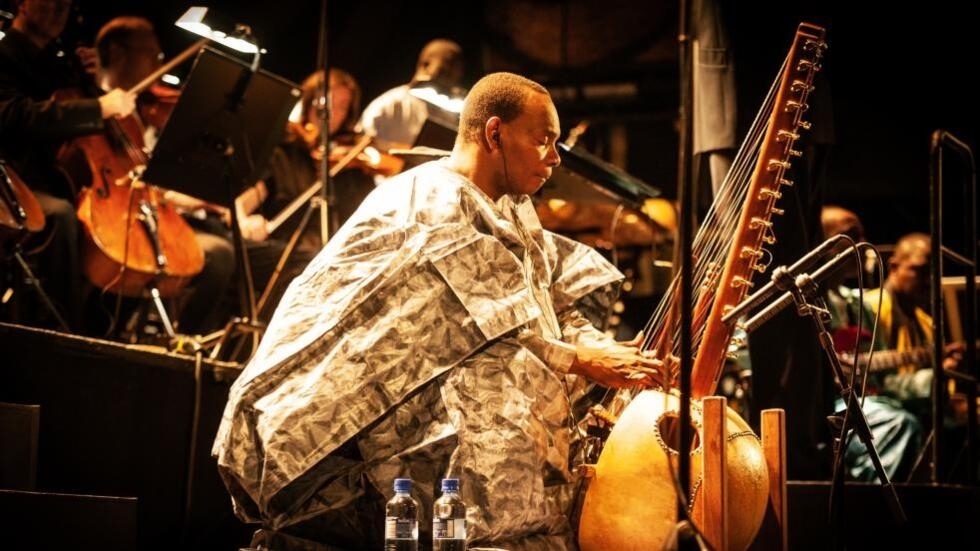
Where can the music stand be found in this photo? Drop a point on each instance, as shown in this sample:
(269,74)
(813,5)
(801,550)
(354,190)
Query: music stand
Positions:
(439,129)
(219,140)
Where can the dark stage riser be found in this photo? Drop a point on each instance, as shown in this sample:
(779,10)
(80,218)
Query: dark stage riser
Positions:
(937,516)
(118,420)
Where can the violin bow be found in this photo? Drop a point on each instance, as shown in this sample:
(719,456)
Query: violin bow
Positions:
(302,198)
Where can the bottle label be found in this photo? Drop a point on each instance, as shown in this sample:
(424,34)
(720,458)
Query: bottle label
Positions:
(401,529)
(449,528)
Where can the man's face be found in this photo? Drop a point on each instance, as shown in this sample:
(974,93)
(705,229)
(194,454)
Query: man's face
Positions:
(910,277)
(45,18)
(145,54)
(528,147)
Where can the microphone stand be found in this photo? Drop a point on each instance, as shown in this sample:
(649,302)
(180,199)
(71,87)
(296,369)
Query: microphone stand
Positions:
(685,190)
(327,197)
(804,288)
(321,193)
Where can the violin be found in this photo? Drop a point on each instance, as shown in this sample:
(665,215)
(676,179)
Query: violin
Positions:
(347,156)
(370,160)
(20,211)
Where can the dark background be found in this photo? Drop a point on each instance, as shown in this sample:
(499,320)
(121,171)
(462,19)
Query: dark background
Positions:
(895,76)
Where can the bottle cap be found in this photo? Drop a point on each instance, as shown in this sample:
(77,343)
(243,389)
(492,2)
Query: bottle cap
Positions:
(403,485)
(450,484)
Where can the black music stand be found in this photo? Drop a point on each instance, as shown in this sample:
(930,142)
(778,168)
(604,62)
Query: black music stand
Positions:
(595,180)
(218,141)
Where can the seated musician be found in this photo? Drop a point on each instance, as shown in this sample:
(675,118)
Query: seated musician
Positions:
(418,343)
(905,324)
(129,51)
(896,427)
(34,65)
(296,162)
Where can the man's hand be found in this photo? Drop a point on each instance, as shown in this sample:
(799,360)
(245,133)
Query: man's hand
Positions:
(620,365)
(89,58)
(953,354)
(254,227)
(117,103)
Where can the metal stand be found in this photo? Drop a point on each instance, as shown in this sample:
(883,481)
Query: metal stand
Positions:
(323,103)
(314,200)
(36,284)
(20,216)
(808,303)
(682,261)
(247,324)
(148,219)
(942,140)
(244,112)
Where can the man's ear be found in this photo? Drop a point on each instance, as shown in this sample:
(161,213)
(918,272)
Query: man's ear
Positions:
(493,126)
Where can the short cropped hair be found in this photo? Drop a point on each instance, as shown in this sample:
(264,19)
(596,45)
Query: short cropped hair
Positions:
(121,31)
(441,60)
(837,220)
(501,95)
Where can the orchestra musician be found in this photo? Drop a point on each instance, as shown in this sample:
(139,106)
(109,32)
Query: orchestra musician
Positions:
(902,304)
(897,433)
(396,117)
(129,51)
(296,162)
(34,65)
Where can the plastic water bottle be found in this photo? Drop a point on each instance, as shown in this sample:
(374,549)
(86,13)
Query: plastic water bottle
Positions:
(449,518)
(402,518)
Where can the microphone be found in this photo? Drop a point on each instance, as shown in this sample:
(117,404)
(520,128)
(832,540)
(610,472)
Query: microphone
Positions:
(784,281)
(767,290)
(794,294)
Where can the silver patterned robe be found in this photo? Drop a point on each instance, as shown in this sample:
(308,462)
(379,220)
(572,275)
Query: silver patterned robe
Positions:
(423,341)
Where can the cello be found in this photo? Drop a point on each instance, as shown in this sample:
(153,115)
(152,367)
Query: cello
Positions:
(134,240)
(20,211)
(20,216)
(630,502)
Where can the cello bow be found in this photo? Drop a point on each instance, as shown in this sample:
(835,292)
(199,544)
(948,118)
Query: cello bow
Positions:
(163,69)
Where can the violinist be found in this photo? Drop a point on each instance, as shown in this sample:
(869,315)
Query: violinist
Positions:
(33,66)
(295,163)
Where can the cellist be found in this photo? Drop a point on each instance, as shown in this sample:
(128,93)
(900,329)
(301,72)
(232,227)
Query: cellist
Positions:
(33,66)
(128,51)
